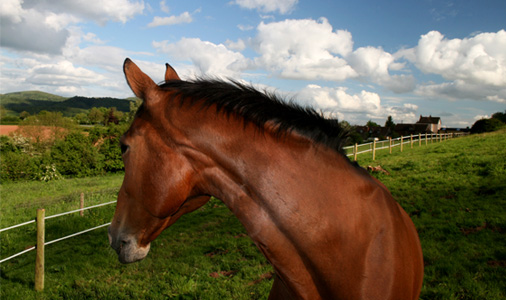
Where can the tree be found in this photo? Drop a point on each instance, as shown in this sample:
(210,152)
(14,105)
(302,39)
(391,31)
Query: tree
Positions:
(96,115)
(23,115)
(111,117)
(134,106)
(372,124)
(500,116)
(486,125)
(390,123)
(82,118)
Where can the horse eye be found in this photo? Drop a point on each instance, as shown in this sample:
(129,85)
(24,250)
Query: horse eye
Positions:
(124,148)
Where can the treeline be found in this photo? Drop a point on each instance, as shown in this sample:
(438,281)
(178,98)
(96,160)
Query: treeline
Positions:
(92,116)
(49,146)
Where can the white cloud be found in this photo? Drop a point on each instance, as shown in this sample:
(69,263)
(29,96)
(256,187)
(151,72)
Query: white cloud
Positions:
(164,7)
(97,10)
(235,46)
(357,107)
(245,27)
(11,10)
(479,117)
(304,49)
(31,33)
(60,21)
(374,64)
(480,59)
(268,6)
(172,20)
(475,67)
(311,50)
(62,73)
(42,26)
(208,58)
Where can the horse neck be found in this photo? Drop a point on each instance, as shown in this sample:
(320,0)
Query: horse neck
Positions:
(257,169)
(279,188)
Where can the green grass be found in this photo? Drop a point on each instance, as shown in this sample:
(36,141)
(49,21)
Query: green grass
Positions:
(455,192)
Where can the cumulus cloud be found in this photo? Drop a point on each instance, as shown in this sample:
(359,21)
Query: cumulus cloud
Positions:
(304,49)
(354,107)
(11,10)
(96,10)
(268,6)
(29,31)
(172,20)
(235,46)
(311,50)
(375,65)
(42,26)
(207,57)
(475,67)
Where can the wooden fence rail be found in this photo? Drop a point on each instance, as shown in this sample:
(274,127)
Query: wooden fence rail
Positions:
(355,150)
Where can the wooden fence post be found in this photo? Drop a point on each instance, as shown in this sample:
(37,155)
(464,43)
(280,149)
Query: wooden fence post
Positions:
(81,204)
(401,141)
(426,134)
(374,149)
(411,140)
(39,260)
(390,144)
(355,150)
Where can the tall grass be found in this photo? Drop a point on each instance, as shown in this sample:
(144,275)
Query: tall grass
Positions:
(455,192)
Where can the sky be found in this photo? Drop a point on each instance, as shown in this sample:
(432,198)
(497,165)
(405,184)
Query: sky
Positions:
(355,60)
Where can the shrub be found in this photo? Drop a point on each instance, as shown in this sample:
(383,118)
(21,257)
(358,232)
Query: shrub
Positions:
(76,156)
(18,166)
(486,125)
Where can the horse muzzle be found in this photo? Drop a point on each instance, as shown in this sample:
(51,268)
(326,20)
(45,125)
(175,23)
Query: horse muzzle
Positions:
(127,247)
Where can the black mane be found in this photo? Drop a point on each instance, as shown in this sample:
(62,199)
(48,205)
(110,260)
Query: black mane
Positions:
(261,107)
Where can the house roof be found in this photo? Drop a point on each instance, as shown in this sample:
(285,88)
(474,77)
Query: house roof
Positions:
(429,120)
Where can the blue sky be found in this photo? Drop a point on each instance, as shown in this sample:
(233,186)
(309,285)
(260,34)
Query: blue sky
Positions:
(355,60)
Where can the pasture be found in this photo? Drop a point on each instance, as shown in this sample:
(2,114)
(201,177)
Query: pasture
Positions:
(455,192)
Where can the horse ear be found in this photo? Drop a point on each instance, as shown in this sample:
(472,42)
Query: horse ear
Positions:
(170,73)
(139,82)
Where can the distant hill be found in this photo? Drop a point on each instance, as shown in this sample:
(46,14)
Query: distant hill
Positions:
(30,95)
(36,101)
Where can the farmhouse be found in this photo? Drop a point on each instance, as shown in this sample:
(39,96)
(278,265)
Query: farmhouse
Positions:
(434,122)
(428,124)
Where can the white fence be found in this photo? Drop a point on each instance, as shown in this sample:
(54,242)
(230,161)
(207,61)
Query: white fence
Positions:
(39,262)
(390,143)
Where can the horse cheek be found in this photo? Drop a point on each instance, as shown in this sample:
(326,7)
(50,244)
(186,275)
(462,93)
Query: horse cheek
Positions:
(168,190)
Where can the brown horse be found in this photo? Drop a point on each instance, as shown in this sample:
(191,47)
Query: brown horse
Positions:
(329,229)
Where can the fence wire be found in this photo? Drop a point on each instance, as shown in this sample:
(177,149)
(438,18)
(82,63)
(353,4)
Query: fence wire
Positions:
(56,240)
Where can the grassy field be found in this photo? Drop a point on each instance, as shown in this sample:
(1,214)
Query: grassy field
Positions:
(455,192)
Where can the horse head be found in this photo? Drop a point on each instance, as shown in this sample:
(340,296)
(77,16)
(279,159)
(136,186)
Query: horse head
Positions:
(159,183)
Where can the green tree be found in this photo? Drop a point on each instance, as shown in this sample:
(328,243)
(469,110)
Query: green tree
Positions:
(500,116)
(82,118)
(134,106)
(390,123)
(23,115)
(96,115)
(372,124)
(486,125)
